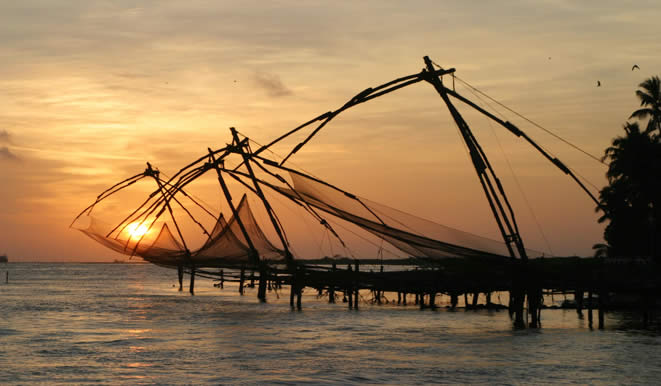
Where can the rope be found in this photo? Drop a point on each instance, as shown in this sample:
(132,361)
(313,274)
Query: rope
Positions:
(363,238)
(534,123)
(279,156)
(207,206)
(516,180)
(583,178)
(524,118)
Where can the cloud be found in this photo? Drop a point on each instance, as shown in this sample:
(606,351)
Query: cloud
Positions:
(6,154)
(4,136)
(272,84)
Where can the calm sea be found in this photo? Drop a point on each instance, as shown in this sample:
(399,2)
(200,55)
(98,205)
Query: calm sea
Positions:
(126,324)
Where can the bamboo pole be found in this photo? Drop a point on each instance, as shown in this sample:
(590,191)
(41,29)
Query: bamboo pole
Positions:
(331,285)
(192,280)
(357,285)
(180,272)
(246,159)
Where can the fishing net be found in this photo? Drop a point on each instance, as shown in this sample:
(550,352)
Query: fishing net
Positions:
(140,239)
(227,244)
(413,235)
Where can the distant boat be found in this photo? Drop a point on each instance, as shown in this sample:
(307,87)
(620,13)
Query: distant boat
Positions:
(4,259)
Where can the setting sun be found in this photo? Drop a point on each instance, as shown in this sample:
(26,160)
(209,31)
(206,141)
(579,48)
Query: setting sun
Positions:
(137,230)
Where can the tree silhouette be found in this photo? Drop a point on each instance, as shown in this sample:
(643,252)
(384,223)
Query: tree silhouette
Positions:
(650,98)
(631,203)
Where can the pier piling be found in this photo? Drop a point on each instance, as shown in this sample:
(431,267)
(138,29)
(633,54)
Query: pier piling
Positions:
(222,279)
(191,289)
(180,273)
(261,290)
(242,278)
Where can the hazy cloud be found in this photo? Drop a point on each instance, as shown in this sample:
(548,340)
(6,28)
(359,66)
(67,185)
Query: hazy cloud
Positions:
(272,84)
(6,154)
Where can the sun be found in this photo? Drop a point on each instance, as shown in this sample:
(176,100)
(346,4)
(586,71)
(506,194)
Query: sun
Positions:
(136,230)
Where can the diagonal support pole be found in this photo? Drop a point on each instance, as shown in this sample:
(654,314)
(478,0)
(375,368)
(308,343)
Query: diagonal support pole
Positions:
(480,162)
(235,213)
(260,194)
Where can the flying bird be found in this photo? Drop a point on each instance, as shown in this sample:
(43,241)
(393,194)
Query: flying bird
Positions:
(598,83)
(635,66)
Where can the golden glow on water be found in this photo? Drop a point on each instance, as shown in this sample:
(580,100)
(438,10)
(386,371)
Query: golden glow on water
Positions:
(95,327)
(138,364)
(137,332)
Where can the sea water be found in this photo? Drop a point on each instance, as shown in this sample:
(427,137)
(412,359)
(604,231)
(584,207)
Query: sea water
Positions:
(128,324)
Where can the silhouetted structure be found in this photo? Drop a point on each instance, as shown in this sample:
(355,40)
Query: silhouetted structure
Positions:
(239,243)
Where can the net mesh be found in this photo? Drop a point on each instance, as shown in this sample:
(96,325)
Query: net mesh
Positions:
(227,244)
(413,235)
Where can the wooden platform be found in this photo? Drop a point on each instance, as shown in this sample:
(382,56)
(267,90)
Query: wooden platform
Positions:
(585,278)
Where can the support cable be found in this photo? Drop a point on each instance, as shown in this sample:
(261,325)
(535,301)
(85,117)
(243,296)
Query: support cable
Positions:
(516,180)
(167,204)
(528,120)
(108,192)
(306,206)
(480,162)
(516,131)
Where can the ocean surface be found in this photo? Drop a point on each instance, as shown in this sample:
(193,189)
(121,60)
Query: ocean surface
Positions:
(128,324)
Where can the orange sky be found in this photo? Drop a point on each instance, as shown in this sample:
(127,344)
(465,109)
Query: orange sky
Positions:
(92,90)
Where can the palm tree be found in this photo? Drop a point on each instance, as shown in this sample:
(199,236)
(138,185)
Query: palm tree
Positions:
(650,98)
(630,157)
(632,200)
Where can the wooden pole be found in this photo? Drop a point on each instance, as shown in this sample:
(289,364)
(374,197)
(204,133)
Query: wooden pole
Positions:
(378,291)
(299,284)
(600,314)
(356,286)
(246,161)
(350,287)
(192,280)
(299,296)
(518,292)
(292,290)
(578,299)
(241,279)
(180,273)
(222,279)
(590,308)
(331,285)
(261,291)
(228,197)
(432,300)
(534,303)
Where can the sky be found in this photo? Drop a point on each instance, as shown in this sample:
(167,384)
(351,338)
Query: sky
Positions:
(91,90)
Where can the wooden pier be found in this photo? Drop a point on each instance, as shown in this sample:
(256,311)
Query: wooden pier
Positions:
(594,284)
